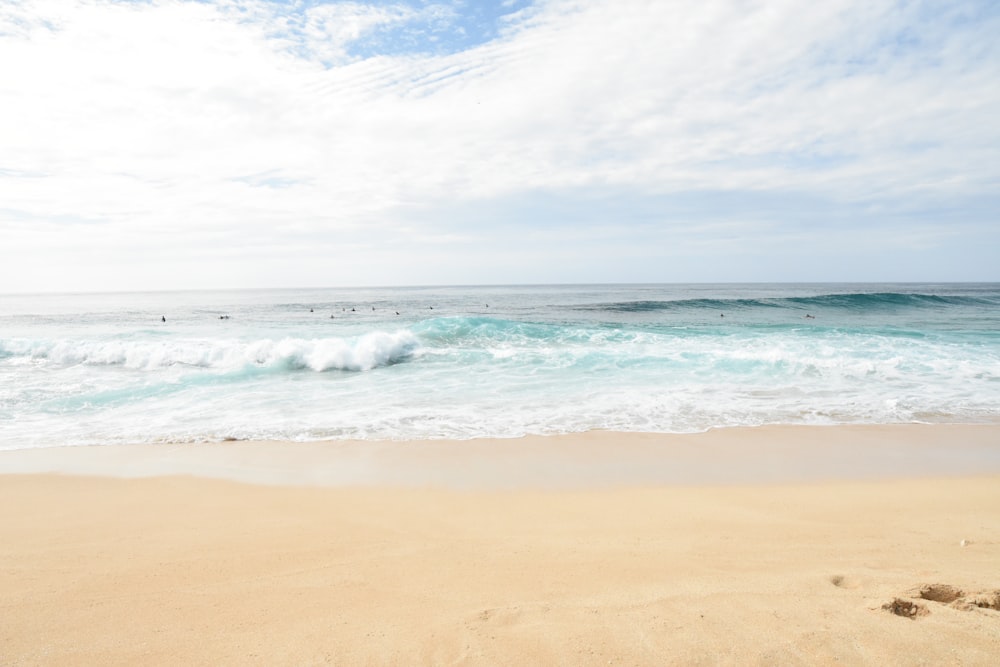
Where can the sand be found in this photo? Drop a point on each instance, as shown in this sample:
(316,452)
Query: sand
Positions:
(808,566)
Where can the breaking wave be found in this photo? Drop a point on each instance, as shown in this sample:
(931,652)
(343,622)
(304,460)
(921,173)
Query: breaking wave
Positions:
(362,353)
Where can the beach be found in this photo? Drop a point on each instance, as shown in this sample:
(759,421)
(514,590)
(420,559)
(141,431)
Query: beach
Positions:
(817,545)
(528,333)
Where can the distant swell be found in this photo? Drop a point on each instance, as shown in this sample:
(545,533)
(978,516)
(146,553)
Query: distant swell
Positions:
(683,305)
(848,302)
(363,353)
(890,300)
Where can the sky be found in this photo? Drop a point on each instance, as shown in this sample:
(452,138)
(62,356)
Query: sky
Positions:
(182,144)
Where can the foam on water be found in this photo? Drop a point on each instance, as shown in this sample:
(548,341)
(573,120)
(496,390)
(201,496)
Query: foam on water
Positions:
(362,353)
(326,364)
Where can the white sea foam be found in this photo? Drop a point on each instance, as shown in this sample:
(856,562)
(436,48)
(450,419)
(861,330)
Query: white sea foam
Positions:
(363,353)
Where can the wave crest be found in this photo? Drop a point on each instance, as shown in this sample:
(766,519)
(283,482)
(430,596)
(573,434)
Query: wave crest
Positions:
(362,353)
(845,301)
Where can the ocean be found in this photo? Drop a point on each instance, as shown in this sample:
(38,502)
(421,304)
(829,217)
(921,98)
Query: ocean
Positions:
(491,361)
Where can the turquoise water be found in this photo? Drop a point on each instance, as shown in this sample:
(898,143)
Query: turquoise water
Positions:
(464,362)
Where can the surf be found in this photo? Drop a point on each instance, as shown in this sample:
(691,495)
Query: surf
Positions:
(359,353)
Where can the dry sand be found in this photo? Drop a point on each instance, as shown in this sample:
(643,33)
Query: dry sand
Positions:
(189,570)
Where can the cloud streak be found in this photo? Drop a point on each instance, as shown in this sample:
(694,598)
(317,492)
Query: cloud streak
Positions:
(318,138)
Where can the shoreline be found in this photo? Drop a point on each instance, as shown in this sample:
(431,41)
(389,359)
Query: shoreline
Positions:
(592,459)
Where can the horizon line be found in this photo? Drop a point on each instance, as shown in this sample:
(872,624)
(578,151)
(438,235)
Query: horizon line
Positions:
(498,285)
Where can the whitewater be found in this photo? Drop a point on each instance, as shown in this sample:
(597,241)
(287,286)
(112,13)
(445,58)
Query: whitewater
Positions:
(469,362)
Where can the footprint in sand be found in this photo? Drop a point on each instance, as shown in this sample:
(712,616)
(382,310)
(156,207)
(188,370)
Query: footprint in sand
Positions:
(957,598)
(944,594)
(905,608)
(984,600)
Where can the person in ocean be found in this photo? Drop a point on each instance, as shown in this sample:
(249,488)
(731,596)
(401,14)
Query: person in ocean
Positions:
(163,318)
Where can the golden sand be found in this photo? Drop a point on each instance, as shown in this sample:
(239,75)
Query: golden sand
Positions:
(187,570)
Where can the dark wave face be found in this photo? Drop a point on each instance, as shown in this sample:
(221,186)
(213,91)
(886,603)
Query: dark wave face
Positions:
(849,302)
(682,305)
(892,301)
(979,310)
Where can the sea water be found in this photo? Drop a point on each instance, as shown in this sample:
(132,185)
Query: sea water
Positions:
(470,362)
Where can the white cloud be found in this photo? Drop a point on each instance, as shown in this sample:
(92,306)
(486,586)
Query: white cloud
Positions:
(176,130)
